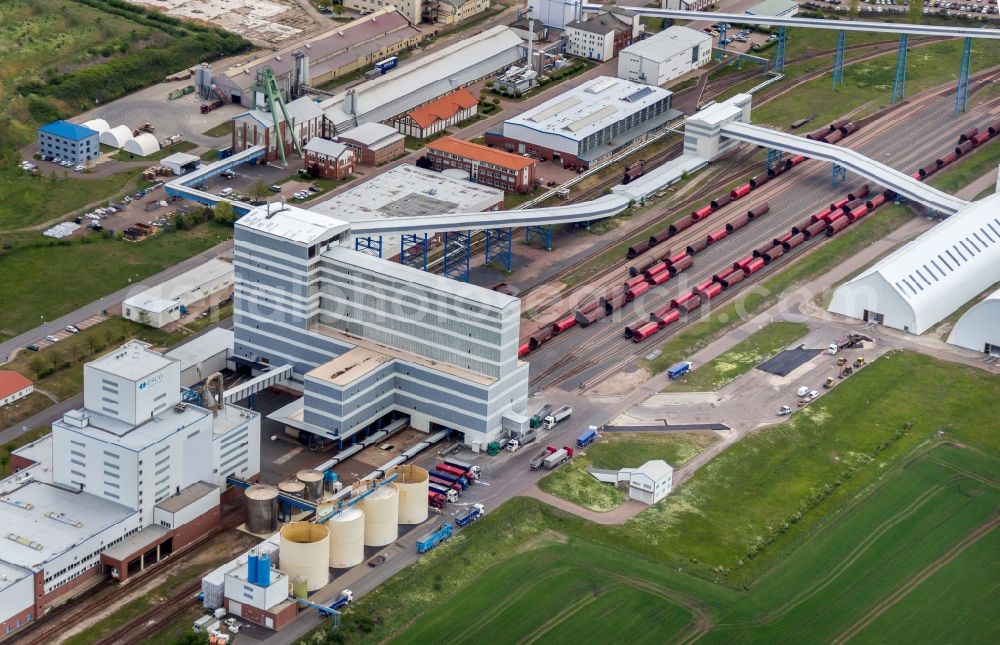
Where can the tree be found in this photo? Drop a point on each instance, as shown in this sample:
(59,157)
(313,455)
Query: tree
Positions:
(258,190)
(224,213)
(855,6)
(4,460)
(916,11)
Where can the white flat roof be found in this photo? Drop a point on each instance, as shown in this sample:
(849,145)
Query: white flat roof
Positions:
(668,43)
(136,438)
(40,452)
(134,361)
(589,107)
(203,347)
(165,295)
(292,223)
(409,191)
(23,514)
(180,158)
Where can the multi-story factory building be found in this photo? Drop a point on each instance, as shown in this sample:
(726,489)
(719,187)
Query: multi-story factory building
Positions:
(368,338)
(133,476)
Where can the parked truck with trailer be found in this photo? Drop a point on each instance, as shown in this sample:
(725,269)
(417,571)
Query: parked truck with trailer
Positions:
(537,462)
(434,538)
(447,484)
(557,458)
(539,418)
(558,416)
(343,599)
(846,342)
(520,439)
(448,493)
(436,500)
(678,370)
(470,516)
(448,477)
(468,468)
(587,438)
(456,471)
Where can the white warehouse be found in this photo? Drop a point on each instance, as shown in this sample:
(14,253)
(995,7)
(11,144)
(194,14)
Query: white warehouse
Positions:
(164,303)
(665,56)
(924,282)
(979,328)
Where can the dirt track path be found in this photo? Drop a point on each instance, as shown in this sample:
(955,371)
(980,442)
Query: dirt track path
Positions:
(917,580)
(620,515)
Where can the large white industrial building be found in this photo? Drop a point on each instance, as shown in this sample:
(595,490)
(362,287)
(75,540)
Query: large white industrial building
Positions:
(409,191)
(367,338)
(665,56)
(924,282)
(588,123)
(979,328)
(129,478)
(424,79)
(555,13)
(162,304)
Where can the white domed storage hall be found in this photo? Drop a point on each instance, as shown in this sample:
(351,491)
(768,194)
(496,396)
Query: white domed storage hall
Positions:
(116,137)
(143,145)
(382,516)
(305,551)
(979,328)
(412,482)
(347,538)
(97,125)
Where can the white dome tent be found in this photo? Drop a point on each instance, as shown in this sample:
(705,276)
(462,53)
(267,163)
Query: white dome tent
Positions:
(116,137)
(99,126)
(979,328)
(143,145)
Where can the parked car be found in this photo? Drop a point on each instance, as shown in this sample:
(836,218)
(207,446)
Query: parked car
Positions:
(377,560)
(79,168)
(73,329)
(784,411)
(33,347)
(803,391)
(51,339)
(274,188)
(812,395)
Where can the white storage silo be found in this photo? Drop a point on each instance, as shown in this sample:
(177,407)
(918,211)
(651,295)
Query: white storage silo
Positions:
(382,516)
(347,538)
(412,483)
(305,551)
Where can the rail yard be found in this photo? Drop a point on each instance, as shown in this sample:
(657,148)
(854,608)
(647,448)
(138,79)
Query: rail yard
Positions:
(734,383)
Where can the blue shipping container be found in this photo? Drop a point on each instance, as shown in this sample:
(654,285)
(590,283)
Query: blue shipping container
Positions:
(678,369)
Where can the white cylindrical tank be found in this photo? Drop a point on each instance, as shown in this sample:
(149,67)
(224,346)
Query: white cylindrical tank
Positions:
(305,551)
(382,516)
(412,483)
(347,538)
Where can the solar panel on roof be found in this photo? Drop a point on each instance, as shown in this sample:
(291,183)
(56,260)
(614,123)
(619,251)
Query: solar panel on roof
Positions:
(639,94)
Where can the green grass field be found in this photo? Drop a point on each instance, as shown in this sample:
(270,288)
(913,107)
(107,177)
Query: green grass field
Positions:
(616,450)
(50,278)
(30,200)
(755,349)
(870,517)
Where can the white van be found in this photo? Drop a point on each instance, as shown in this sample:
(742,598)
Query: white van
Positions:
(226,192)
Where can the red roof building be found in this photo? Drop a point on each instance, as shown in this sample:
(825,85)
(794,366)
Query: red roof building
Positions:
(433,117)
(13,386)
(488,166)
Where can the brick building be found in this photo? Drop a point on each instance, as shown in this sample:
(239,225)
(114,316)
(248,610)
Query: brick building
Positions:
(433,117)
(488,166)
(329,159)
(374,143)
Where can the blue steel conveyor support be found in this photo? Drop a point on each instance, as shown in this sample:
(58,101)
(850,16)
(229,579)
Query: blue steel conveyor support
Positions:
(779,56)
(962,97)
(457,254)
(839,175)
(371,245)
(543,232)
(838,60)
(413,250)
(498,246)
(899,87)
(722,37)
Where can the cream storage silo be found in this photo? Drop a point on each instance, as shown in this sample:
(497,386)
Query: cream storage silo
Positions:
(412,482)
(305,551)
(262,508)
(347,538)
(381,516)
(313,481)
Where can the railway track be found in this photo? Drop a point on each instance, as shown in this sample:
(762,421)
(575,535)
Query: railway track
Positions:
(595,349)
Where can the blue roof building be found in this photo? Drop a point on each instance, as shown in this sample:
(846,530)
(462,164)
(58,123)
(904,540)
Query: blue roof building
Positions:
(68,141)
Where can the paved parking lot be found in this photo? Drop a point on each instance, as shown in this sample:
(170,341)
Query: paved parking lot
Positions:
(62,334)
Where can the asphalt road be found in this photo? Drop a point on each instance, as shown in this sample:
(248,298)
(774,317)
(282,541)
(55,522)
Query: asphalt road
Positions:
(8,347)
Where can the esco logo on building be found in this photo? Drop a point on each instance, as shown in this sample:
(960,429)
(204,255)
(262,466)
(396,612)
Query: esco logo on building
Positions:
(151,381)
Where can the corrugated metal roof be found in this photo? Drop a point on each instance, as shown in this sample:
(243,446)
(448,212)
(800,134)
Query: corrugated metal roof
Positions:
(325,147)
(668,43)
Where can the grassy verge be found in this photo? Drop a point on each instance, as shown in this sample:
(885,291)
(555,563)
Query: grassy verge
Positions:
(221,130)
(48,278)
(617,450)
(413,143)
(215,314)
(513,200)
(324,184)
(839,508)
(180,146)
(757,348)
(31,199)
(760,297)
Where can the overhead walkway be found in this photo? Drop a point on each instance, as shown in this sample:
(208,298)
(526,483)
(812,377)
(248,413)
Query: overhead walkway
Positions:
(186,186)
(880,173)
(814,23)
